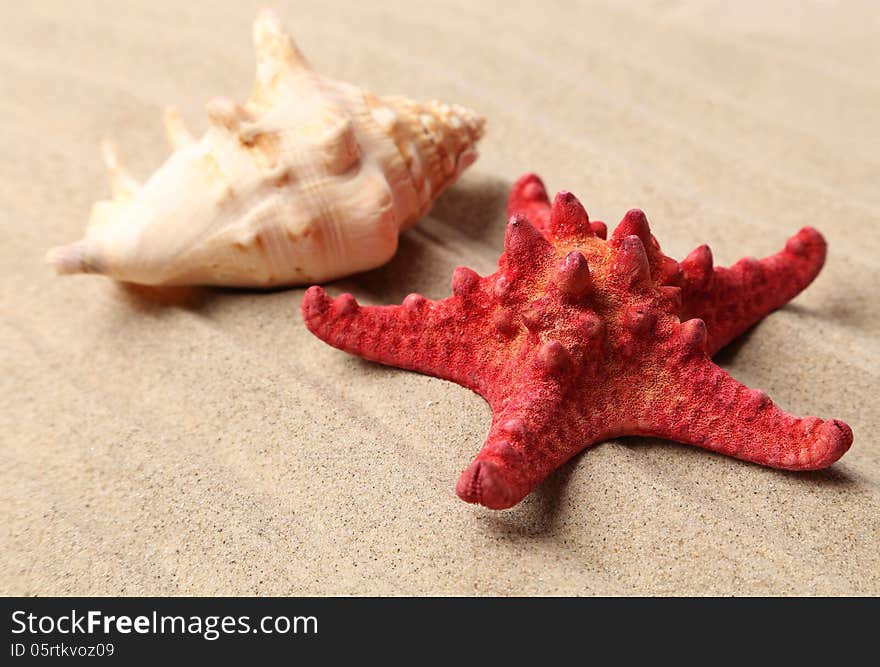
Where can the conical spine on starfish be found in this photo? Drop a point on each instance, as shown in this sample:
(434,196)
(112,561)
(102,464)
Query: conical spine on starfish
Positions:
(730,300)
(576,339)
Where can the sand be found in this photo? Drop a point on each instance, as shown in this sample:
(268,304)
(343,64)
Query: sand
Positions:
(213,446)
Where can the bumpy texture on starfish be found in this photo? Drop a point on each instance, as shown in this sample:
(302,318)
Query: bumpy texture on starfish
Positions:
(575,340)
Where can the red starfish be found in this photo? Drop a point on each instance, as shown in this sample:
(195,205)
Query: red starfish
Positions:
(575,340)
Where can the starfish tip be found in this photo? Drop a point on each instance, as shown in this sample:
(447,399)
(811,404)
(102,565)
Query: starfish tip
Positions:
(315,303)
(834,440)
(482,484)
(808,242)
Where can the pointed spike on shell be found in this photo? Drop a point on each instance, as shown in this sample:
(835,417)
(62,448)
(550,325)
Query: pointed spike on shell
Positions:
(226,112)
(554,358)
(697,267)
(634,223)
(573,276)
(631,262)
(108,154)
(525,245)
(279,62)
(465,281)
(692,334)
(340,150)
(599,228)
(568,218)
(178,135)
(121,182)
(274,47)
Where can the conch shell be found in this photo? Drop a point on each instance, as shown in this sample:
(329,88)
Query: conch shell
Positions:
(311,180)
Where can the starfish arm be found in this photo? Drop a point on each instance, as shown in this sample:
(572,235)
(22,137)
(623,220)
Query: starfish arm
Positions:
(430,337)
(732,300)
(522,448)
(706,407)
(533,432)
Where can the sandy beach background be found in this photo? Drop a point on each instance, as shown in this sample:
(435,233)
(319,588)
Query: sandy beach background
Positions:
(214,446)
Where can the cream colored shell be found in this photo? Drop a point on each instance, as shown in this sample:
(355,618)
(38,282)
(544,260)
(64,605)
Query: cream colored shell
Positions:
(311,180)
